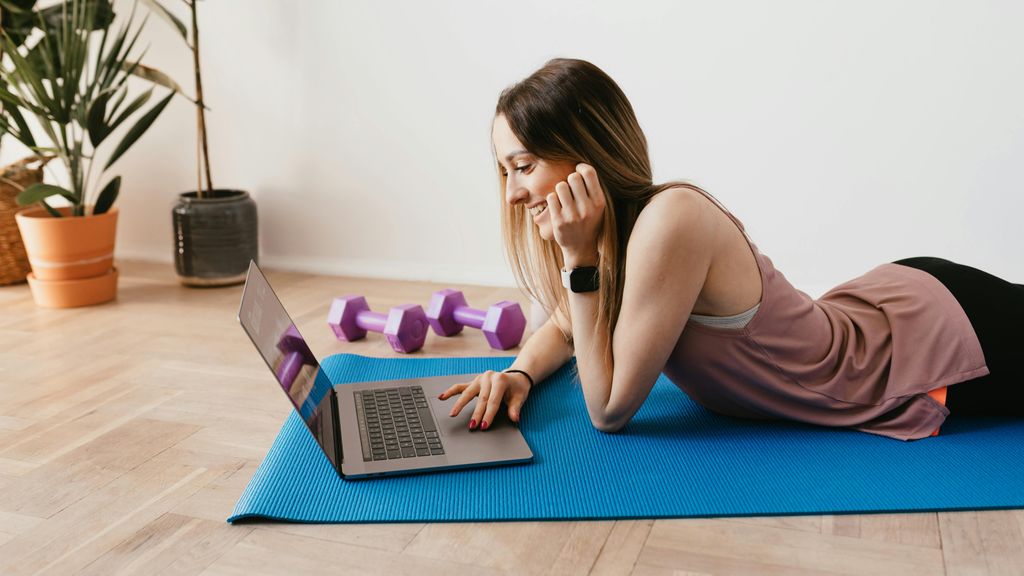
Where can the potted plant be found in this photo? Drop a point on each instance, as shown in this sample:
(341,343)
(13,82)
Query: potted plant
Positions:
(77,91)
(19,19)
(216,230)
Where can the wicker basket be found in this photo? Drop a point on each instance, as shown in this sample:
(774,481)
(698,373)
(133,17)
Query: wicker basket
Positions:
(14,267)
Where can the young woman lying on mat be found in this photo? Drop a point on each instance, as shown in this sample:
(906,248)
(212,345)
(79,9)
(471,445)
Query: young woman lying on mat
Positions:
(665,279)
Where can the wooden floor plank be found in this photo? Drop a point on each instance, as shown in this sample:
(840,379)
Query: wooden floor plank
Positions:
(53,486)
(526,547)
(170,544)
(88,528)
(622,547)
(983,542)
(579,553)
(717,546)
(271,552)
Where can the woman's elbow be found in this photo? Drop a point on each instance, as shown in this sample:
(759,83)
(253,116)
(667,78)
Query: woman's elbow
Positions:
(607,426)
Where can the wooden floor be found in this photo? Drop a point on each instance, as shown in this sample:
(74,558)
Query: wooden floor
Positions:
(129,430)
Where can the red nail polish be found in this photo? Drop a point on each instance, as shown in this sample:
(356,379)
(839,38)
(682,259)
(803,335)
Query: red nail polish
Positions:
(472,424)
(484,425)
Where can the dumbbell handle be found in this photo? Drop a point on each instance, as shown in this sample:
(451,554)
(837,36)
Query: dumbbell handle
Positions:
(372,321)
(470,316)
(288,369)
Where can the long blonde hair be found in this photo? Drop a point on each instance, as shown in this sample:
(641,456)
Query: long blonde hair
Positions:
(570,110)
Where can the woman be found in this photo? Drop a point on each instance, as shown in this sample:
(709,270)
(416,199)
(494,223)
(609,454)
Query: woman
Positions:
(662,278)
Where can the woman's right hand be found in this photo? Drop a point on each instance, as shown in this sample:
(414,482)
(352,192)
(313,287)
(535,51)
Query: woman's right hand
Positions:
(492,388)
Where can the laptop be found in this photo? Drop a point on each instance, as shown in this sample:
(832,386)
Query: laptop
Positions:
(372,428)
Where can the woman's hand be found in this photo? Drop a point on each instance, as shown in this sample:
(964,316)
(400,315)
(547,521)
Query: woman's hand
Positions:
(577,211)
(492,387)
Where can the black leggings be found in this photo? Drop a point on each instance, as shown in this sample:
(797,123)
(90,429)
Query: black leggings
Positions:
(995,308)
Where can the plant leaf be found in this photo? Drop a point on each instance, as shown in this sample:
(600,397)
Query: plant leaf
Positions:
(18,19)
(137,103)
(139,129)
(101,15)
(53,211)
(18,6)
(107,196)
(105,65)
(166,14)
(118,100)
(155,76)
(24,134)
(95,124)
(25,72)
(120,59)
(37,192)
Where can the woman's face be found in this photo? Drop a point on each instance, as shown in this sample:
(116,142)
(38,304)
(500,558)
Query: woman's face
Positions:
(527,179)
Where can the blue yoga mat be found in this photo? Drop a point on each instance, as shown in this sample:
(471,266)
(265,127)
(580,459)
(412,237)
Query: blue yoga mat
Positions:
(675,459)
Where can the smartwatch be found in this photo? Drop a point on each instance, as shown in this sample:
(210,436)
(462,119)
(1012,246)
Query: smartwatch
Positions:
(581,279)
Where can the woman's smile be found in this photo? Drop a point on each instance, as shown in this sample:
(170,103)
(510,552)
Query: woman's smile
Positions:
(539,209)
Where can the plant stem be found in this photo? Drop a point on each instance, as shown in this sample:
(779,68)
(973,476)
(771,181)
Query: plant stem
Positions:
(200,115)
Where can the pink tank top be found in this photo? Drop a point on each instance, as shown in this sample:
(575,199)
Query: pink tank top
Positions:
(866,355)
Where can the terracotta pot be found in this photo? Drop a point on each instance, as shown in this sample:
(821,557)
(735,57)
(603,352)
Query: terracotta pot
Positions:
(70,247)
(73,293)
(72,257)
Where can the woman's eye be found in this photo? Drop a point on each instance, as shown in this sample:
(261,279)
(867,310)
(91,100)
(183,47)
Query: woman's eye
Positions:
(521,169)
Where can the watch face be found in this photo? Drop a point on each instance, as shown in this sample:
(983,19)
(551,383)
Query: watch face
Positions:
(583,279)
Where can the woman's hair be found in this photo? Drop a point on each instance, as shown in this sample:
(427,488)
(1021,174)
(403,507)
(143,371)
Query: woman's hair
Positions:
(570,110)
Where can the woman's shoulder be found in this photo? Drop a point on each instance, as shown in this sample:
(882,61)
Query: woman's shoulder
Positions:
(678,214)
(678,193)
(674,208)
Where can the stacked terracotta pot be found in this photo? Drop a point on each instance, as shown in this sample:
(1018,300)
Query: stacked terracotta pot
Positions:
(72,258)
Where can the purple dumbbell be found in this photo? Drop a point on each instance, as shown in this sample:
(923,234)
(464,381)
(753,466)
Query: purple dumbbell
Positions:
(291,341)
(405,326)
(502,323)
(290,366)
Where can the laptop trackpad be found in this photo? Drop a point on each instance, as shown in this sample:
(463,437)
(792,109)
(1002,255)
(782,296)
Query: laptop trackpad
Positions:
(501,440)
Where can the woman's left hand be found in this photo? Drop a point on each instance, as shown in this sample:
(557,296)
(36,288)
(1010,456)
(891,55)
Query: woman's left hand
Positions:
(577,211)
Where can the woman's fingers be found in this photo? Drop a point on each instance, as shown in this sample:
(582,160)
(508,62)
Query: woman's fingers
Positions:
(593,185)
(487,390)
(580,194)
(492,388)
(493,404)
(566,201)
(469,391)
(515,404)
(453,389)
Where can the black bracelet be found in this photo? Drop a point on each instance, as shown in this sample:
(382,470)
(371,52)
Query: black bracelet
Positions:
(520,372)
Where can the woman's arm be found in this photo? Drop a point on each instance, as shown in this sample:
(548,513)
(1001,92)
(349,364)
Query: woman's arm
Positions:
(545,351)
(667,260)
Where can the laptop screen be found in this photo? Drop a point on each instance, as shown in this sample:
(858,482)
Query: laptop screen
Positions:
(285,351)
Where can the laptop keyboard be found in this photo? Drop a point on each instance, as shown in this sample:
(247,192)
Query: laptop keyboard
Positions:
(396,423)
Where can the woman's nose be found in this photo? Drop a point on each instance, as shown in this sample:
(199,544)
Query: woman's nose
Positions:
(515,194)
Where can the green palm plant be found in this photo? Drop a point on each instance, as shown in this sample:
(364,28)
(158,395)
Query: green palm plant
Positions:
(19,19)
(78,95)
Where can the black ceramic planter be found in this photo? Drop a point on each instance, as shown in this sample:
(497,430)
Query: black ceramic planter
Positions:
(215,237)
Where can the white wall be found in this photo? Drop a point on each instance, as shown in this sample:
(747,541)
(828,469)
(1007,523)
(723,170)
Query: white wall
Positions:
(844,134)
